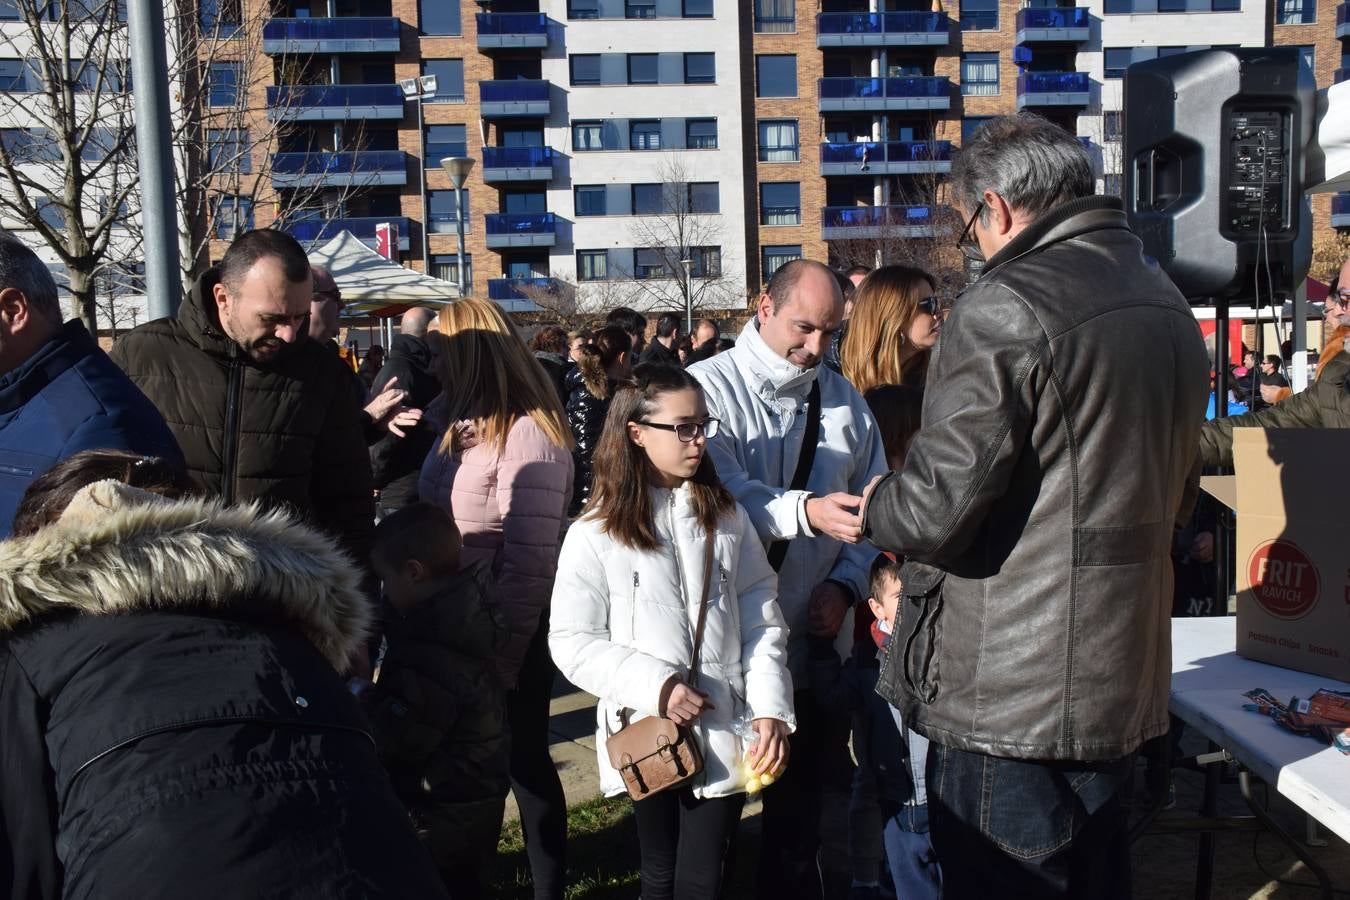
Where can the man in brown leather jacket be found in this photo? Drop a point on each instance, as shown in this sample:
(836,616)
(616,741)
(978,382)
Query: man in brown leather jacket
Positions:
(1036,509)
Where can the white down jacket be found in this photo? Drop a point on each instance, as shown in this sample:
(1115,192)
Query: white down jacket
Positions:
(623,623)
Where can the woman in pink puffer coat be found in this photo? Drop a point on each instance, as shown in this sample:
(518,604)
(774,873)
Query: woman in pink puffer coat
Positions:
(503,469)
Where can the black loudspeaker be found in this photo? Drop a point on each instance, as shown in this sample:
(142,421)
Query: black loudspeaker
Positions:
(1214,167)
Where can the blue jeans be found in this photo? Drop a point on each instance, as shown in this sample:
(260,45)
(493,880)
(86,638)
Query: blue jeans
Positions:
(910,856)
(1013,828)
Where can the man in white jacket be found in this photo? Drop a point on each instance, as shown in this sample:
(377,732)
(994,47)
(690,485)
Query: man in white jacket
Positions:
(759,390)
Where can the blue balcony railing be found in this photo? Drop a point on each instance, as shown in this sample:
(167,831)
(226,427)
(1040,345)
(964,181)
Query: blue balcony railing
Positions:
(363,162)
(882,23)
(1343,19)
(1052,83)
(520,223)
(354,34)
(518,90)
(886,152)
(335,101)
(510,288)
(1057,18)
(512,23)
(517,157)
(836,217)
(1340,75)
(1340,210)
(863,88)
(317,231)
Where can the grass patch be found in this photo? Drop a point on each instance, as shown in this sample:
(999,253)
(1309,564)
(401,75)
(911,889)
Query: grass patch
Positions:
(602,854)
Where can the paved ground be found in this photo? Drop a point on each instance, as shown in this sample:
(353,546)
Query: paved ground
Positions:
(1164,864)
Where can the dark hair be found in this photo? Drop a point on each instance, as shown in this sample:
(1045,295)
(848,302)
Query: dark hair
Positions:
(685,345)
(845,286)
(1274,360)
(252,246)
(668,324)
(601,352)
(620,497)
(784,282)
(884,568)
(422,532)
(898,410)
(51,492)
(21,269)
(630,320)
(549,339)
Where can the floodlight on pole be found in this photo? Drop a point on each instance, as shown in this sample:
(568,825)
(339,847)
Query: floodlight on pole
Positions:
(417,90)
(458,168)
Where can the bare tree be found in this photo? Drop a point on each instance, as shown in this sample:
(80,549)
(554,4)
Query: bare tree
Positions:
(573,307)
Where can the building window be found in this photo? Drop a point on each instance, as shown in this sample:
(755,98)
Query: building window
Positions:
(698,9)
(234,216)
(643,68)
(644,134)
(443,141)
(639,9)
(1111,184)
(441,207)
(227,151)
(707,262)
(778,140)
(438,17)
(590,200)
(525,202)
(51,214)
(979,74)
(449,79)
(979,15)
(776,75)
(699,68)
(704,197)
(446,268)
(10,11)
(775,16)
(519,137)
(649,200)
(1309,53)
(776,256)
(14,77)
(31,145)
(1112,128)
(592,265)
(780,203)
(585,68)
(583,9)
(219,18)
(587,136)
(223,84)
(700,134)
(648,263)
(970,125)
(1136,7)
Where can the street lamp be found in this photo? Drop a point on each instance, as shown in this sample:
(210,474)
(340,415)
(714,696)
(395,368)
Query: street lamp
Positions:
(458,168)
(418,89)
(688,296)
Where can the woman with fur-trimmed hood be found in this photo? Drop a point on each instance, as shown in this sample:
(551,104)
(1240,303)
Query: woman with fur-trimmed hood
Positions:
(604,362)
(174,720)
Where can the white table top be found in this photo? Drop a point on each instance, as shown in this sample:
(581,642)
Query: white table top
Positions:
(1208,681)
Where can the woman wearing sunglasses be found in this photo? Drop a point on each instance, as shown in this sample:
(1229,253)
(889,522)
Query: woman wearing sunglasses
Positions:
(631,580)
(896,321)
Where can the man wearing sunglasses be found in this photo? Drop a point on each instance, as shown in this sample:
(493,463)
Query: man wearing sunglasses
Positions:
(1323,404)
(1036,507)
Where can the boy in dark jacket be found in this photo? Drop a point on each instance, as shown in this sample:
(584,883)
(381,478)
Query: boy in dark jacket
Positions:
(892,755)
(438,707)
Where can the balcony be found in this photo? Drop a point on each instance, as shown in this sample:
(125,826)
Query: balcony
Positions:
(1343,19)
(1340,210)
(886,158)
(513,99)
(517,164)
(361,169)
(843,223)
(334,102)
(344,35)
(1061,25)
(1340,75)
(881,94)
(882,29)
(510,230)
(512,31)
(1036,89)
(508,294)
(318,231)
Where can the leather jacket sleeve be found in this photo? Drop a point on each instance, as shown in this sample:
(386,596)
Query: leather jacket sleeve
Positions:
(979,408)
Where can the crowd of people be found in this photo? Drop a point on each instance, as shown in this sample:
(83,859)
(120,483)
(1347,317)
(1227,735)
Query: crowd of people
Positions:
(273,626)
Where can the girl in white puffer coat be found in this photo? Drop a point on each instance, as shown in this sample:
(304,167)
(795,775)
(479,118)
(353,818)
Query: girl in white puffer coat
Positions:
(625,607)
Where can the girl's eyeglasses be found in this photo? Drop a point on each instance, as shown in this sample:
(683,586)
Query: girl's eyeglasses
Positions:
(687,431)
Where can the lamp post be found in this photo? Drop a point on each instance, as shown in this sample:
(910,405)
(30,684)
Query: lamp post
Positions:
(688,296)
(458,168)
(418,89)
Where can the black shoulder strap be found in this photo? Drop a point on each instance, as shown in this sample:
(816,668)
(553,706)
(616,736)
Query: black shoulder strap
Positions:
(806,459)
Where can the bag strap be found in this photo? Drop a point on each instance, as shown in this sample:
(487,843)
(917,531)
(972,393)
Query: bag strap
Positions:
(702,608)
(805,459)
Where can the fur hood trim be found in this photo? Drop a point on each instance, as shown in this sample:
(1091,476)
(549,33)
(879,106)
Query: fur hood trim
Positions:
(119,550)
(593,376)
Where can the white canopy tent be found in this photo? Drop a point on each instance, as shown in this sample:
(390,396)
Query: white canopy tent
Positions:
(375,286)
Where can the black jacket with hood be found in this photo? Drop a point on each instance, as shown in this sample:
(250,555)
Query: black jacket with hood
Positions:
(589,393)
(175,725)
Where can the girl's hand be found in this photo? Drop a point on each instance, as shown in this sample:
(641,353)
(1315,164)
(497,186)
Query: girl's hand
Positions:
(682,704)
(770,752)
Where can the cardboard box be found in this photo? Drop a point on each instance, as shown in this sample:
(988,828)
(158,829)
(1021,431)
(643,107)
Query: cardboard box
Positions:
(1293,547)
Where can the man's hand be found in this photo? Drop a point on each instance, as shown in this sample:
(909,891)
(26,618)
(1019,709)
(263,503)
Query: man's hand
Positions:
(826,609)
(836,515)
(770,752)
(682,704)
(1202,548)
(386,402)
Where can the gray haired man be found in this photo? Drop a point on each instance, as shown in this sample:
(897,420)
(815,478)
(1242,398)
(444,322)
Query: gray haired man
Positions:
(1035,510)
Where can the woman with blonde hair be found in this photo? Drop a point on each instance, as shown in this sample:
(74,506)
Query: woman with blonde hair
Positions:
(896,321)
(503,470)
